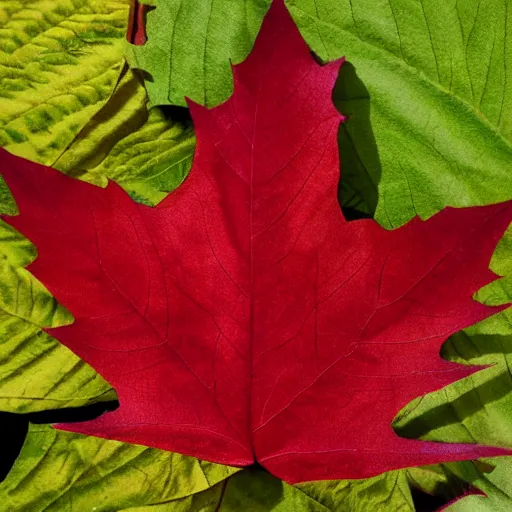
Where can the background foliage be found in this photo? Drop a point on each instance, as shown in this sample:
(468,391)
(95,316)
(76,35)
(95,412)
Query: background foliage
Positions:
(427,87)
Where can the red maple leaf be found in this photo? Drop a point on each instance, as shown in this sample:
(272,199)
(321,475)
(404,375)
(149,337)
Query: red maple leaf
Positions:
(243,318)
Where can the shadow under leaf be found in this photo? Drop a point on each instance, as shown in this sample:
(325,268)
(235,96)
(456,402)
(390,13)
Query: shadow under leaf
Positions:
(14,427)
(359,157)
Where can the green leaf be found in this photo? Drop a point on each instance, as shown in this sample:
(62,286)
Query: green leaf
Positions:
(437,480)
(20,294)
(498,292)
(257,491)
(190,45)
(427,87)
(477,409)
(385,492)
(149,153)
(496,485)
(439,81)
(36,371)
(205,501)
(62,471)
(59,62)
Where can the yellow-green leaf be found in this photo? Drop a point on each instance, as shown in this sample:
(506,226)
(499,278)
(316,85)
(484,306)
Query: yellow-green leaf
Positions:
(59,62)
(59,471)
(148,153)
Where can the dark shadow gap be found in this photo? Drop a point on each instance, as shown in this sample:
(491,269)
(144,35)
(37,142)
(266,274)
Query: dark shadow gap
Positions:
(359,157)
(72,414)
(176,114)
(14,427)
(13,430)
(424,502)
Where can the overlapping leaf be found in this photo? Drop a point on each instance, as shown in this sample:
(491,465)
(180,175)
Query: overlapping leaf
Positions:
(495,485)
(148,153)
(190,45)
(95,474)
(36,372)
(148,195)
(60,470)
(438,76)
(59,62)
(476,409)
(397,321)
(426,98)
